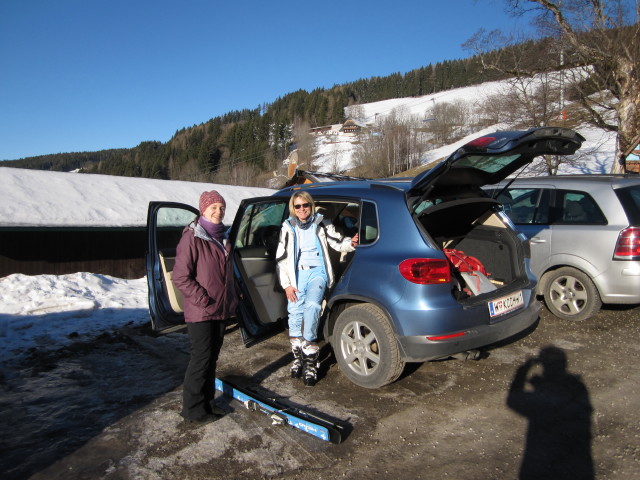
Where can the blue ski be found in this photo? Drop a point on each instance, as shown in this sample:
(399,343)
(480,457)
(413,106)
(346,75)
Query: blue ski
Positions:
(281,414)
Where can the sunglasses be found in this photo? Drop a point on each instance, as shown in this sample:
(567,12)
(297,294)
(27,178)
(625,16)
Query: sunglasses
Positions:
(302,205)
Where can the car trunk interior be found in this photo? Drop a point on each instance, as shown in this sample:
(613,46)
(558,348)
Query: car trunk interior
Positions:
(472,227)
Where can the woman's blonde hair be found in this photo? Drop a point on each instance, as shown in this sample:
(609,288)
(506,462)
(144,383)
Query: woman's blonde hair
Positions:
(306,197)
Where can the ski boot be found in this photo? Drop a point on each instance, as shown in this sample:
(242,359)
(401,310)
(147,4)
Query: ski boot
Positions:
(296,348)
(310,354)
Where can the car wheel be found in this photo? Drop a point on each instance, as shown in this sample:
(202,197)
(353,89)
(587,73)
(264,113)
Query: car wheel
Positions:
(570,294)
(365,346)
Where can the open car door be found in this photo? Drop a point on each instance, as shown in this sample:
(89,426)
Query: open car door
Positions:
(165,223)
(254,236)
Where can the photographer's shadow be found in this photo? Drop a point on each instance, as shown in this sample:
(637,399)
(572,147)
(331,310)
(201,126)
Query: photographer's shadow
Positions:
(557,405)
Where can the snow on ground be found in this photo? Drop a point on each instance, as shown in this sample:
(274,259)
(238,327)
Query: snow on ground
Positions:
(50,311)
(421,105)
(40,198)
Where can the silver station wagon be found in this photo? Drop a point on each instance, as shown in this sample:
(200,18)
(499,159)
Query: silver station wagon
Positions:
(439,271)
(585,238)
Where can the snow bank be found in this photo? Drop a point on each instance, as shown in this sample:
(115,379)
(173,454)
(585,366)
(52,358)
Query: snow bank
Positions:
(58,199)
(50,311)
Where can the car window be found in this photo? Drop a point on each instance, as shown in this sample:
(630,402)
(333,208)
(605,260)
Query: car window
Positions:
(485,163)
(630,199)
(368,224)
(576,207)
(170,223)
(260,225)
(526,205)
(348,219)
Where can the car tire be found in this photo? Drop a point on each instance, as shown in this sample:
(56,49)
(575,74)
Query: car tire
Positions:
(570,294)
(365,346)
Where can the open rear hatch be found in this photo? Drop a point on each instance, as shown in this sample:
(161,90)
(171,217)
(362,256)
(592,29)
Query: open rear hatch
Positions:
(486,254)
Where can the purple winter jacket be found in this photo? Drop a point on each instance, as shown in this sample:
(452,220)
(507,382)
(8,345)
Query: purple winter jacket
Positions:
(203,273)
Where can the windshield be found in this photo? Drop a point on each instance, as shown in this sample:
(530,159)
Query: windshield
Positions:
(486,164)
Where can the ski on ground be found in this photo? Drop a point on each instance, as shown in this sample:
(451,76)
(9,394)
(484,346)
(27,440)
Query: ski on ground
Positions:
(281,414)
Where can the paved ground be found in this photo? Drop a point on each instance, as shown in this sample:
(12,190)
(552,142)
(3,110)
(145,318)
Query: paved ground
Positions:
(563,402)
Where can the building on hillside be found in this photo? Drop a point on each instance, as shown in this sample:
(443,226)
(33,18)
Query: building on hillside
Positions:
(351,127)
(327,129)
(320,130)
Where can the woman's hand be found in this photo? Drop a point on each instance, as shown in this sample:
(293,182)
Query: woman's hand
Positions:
(290,292)
(354,240)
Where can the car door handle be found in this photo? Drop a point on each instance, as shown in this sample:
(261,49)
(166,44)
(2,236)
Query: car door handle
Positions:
(538,240)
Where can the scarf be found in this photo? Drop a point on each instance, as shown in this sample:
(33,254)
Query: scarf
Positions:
(214,230)
(303,225)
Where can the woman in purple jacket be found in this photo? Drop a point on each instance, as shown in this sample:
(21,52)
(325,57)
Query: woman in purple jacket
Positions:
(203,273)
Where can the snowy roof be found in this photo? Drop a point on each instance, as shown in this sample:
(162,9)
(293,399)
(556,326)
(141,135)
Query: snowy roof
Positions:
(58,199)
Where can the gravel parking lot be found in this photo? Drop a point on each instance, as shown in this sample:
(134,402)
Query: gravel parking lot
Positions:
(562,402)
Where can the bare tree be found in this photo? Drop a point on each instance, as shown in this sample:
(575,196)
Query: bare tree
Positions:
(355,111)
(306,144)
(395,146)
(447,121)
(335,159)
(601,37)
(526,102)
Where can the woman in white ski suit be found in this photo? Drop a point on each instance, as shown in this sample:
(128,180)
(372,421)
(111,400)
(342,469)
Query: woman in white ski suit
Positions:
(305,271)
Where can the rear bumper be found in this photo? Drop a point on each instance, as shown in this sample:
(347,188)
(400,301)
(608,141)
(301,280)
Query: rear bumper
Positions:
(621,283)
(419,349)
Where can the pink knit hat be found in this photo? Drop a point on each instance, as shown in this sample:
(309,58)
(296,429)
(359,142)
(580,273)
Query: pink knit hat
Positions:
(207,198)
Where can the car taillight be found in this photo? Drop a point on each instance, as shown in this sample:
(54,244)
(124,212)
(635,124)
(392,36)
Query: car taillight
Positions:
(481,142)
(425,270)
(628,244)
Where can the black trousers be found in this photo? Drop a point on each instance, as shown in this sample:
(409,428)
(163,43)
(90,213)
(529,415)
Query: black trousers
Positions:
(198,390)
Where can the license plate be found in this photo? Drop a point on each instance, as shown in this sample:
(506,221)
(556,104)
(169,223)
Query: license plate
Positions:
(506,304)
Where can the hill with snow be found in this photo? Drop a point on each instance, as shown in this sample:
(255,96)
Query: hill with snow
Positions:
(335,150)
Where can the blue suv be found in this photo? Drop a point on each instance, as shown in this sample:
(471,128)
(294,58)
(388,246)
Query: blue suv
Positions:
(440,269)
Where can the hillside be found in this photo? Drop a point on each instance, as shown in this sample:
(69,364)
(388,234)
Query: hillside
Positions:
(596,155)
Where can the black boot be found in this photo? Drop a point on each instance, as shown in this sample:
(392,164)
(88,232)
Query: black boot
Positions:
(310,371)
(297,365)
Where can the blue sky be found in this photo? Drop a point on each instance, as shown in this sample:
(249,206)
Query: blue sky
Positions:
(85,75)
